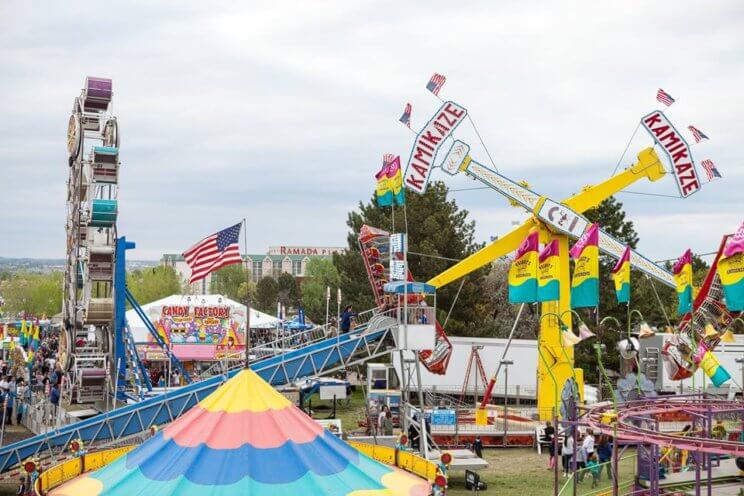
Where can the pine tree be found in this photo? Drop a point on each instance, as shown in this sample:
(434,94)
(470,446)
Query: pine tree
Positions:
(439,234)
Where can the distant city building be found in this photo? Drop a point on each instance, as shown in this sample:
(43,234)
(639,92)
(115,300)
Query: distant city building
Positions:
(277,260)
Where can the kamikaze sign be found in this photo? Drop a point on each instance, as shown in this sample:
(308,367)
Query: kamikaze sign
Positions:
(676,148)
(428,142)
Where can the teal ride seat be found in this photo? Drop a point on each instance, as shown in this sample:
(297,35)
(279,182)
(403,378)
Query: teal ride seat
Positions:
(103,213)
(105,154)
(79,275)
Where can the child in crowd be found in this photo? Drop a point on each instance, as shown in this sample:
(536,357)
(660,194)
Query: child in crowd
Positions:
(593,467)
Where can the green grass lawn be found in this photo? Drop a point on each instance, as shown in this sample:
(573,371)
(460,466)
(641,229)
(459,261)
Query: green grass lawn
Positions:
(522,472)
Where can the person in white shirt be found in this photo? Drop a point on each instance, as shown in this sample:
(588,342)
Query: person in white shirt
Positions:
(567,453)
(588,443)
(4,384)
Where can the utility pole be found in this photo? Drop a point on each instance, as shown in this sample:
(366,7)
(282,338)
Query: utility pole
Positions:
(328,301)
(506,364)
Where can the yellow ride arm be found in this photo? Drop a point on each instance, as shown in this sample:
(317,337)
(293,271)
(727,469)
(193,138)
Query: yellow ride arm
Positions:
(498,248)
(648,165)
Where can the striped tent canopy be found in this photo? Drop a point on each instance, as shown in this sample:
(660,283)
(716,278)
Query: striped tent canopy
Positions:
(245,438)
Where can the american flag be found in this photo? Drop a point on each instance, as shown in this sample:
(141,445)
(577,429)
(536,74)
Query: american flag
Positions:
(710,169)
(406,117)
(213,252)
(435,83)
(664,97)
(387,159)
(697,134)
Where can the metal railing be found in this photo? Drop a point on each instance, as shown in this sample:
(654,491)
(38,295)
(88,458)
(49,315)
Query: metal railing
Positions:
(282,344)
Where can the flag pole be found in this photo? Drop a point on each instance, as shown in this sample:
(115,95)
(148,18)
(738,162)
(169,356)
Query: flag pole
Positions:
(247,299)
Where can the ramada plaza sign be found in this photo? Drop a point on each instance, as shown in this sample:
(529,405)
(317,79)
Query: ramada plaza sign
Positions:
(326,251)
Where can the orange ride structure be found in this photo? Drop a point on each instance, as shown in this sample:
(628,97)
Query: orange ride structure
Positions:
(244,438)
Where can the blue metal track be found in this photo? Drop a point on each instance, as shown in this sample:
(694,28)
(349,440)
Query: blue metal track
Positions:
(321,357)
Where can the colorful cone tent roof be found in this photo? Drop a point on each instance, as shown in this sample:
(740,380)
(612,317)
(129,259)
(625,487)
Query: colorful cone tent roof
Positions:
(245,438)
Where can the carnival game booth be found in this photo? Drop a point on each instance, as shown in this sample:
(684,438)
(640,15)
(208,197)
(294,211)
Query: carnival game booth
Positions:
(200,330)
(244,438)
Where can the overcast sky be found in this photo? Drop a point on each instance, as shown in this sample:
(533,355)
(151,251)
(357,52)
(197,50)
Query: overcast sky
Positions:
(280,111)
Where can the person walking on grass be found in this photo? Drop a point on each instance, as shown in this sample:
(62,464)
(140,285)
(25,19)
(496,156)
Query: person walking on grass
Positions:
(568,445)
(548,438)
(604,453)
(592,466)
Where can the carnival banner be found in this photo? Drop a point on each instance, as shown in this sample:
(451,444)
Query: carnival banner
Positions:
(523,272)
(198,325)
(731,271)
(621,276)
(585,280)
(683,277)
(548,281)
(676,149)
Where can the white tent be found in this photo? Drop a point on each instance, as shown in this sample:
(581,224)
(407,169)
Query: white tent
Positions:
(211,305)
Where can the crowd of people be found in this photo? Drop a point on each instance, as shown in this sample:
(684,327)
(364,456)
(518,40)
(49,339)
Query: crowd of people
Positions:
(29,377)
(589,454)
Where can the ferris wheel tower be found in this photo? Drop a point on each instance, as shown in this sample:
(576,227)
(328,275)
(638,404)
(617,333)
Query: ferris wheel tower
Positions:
(92,192)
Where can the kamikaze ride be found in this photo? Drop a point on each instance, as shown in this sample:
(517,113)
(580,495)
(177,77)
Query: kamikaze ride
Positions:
(553,221)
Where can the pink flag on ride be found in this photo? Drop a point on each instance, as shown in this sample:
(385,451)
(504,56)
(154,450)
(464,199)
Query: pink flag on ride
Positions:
(735,244)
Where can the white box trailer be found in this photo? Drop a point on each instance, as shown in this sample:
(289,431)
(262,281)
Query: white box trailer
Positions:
(522,373)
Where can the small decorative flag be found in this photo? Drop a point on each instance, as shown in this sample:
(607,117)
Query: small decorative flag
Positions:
(621,276)
(664,97)
(697,134)
(523,272)
(213,253)
(390,182)
(435,83)
(585,280)
(710,169)
(406,117)
(683,277)
(23,335)
(731,271)
(548,283)
(707,361)
(395,181)
(35,338)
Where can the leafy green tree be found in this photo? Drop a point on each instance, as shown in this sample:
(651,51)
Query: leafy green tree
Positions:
(289,292)
(233,281)
(153,283)
(267,292)
(34,293)
(320,274)
(504,313)
(439,234)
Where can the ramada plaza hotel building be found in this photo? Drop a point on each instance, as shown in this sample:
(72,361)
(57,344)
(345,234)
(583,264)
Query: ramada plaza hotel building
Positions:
(277,260)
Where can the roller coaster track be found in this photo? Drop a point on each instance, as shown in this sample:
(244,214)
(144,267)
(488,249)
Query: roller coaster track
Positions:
(315,357)
(636,422)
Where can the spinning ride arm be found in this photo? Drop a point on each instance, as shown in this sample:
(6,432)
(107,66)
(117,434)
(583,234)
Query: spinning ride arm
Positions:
(561,218)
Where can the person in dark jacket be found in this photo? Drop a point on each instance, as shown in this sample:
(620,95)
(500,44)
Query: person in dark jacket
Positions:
(478,447)
(346,317)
